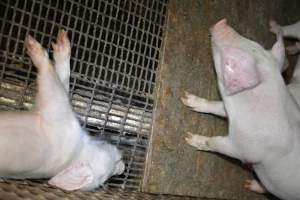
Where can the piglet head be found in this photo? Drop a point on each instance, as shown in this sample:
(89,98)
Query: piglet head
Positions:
(98,162)
(242,64)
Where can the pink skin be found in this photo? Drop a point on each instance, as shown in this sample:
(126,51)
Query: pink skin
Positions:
(236,78)
(223,34)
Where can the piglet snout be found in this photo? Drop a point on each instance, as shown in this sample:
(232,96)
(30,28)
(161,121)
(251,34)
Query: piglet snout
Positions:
(223,34)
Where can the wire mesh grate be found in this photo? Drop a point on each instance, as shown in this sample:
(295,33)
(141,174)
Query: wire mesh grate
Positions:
(115,53)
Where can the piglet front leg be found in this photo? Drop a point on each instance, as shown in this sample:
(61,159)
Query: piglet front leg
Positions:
(255,186)
(219,144)
(203,105)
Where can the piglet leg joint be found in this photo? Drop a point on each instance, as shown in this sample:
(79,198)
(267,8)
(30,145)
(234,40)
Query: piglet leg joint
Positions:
(62,54)
(255,186)
(274,27)
(36,52)
(220,144)
(198,141)
(203,105)
(62,48)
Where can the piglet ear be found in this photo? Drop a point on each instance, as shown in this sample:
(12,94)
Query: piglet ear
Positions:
(239,71)
(76,176)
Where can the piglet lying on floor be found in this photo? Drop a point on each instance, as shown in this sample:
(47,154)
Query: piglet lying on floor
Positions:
(264,119)
(48,141)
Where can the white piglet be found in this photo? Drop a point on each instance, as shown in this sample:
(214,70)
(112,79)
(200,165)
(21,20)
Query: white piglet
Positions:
(264,119)
(48,142)
(291,31)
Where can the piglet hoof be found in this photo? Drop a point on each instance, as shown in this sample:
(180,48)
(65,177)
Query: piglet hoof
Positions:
(36,52)
(62,47)
(185,98)
(294,49)
(198,141)
(254,186)
(194,102)
(274,27)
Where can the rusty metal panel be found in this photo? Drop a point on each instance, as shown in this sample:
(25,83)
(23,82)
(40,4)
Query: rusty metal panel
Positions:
(172,166)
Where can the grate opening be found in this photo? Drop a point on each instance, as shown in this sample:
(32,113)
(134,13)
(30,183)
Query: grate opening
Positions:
(115,52)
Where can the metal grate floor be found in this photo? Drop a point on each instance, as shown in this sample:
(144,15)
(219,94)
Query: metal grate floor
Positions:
(115,52)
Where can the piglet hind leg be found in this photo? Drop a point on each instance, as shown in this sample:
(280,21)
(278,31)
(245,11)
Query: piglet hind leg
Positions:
(37,54)
(61,55)
(219,144)
(51,101)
